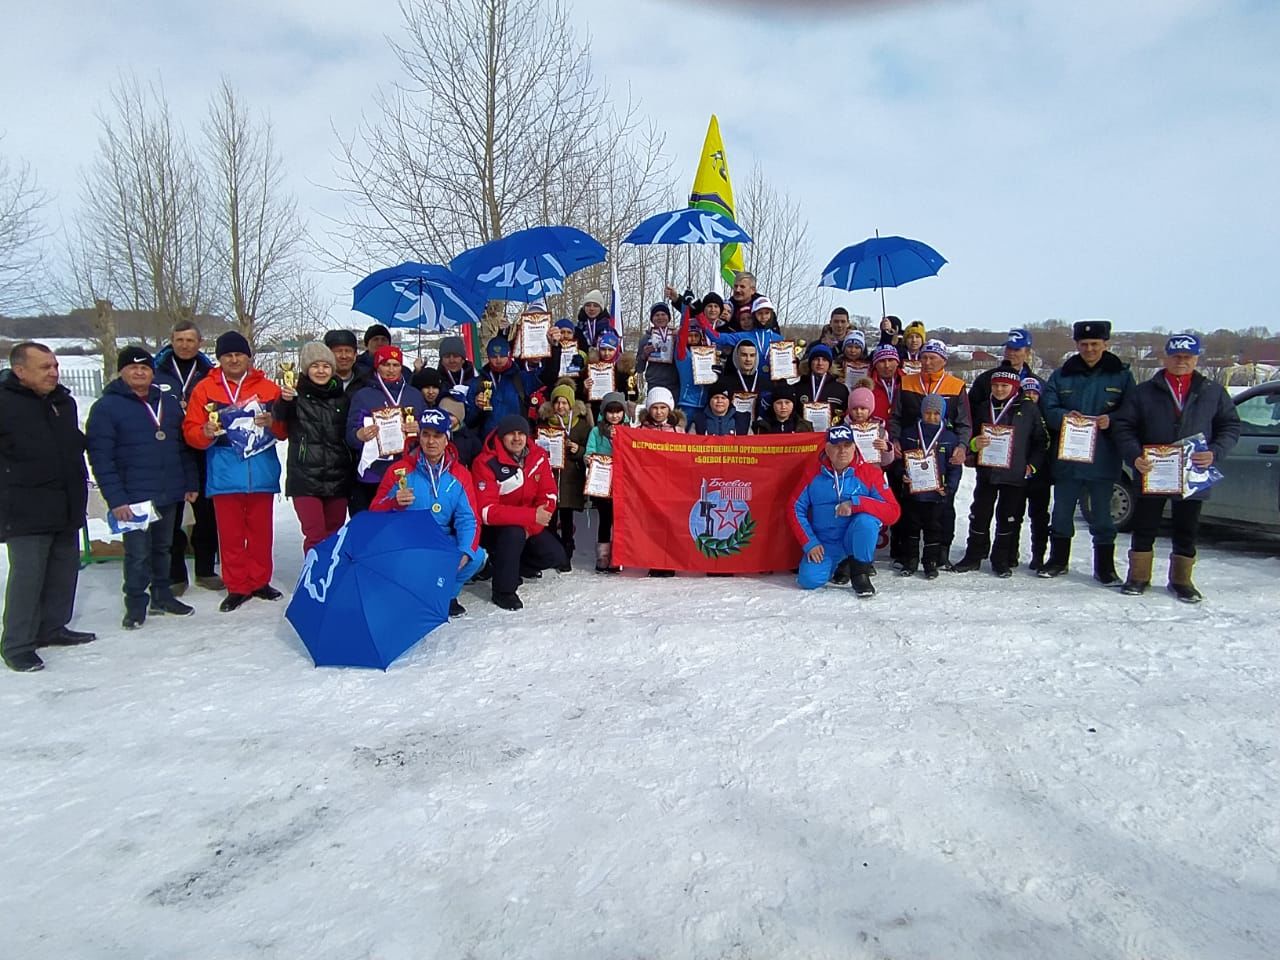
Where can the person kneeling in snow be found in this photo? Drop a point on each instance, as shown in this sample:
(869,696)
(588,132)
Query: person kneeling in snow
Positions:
(839,514)
(430,478)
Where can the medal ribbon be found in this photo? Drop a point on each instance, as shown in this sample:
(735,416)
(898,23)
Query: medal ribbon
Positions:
(996,417)
(155,414)
(394,401)
(233,397)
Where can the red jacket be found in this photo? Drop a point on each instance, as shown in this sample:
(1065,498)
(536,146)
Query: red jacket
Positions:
(509,493)
(884,405)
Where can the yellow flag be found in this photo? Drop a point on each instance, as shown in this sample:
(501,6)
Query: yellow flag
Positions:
(712,190)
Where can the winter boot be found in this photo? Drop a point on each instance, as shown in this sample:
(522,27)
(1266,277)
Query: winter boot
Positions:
(455,608)
(604,559)
(1104,564)
(844,570)
(1180,584)
(1037,552)
(861,577)
(568,557)
(910,557)
(1003,555)
(507,601)
(932,558)
(973,553)
(1139,578)
(1059,559)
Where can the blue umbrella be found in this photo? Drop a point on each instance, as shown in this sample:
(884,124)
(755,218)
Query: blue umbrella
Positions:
(689,225)
(529,264)
(881,262)
(374,589)
(421,295)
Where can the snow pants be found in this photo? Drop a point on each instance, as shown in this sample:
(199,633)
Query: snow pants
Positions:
(244,539)
(320,518)
(470,569)
(858,542)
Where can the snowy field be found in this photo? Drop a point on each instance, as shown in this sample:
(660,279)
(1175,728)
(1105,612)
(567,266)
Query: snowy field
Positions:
(964,770)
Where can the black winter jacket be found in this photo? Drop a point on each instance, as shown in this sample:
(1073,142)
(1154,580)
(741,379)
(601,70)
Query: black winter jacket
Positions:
(1149,415)
(1030,441)
(320,462)
(43,480)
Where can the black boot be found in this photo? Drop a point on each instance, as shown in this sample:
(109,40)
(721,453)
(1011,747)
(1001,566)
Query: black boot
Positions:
(1003,554)
(1059,559)
(507,601)
(932,558)
(62,637)
(568,557)
(455,608)
(860,576)
(844,570)
(233,601)
(974,551)
(910,557)
(1104,564)
(1037,552)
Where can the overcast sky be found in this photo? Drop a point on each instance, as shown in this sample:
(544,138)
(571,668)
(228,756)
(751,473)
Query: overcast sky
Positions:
(1070,159)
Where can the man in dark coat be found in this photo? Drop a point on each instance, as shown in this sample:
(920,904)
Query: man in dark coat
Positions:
(1175,404)
(134,436)
(1017,354)
(1094,382)
(43,494)
(178,368)
(342,344)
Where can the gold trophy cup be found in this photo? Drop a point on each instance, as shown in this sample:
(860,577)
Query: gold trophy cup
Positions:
(486,395)
(800,345)
(402,478)
(407,413)
(212,409)
(288,375)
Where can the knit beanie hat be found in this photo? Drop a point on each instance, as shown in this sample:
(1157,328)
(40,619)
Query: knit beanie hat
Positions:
(917,327)
(820,350)
(596,297)
(232,342)
(454,408)
(1009,376)
(886,352)
(376,330)
(426,377)
(387,352)
(609,339)
(762,303)
(862,397)
(134,354)
(659,308)
(719,390)
(935,347)
(452,345)
(437,419)
(563,390)
(511,423)
(612,400)
(564,323)
(660,395)
(499,346)
(932,403)
(1030,384)
(315,353)
(855,336)
(781,390)
(340,338)
(711,298)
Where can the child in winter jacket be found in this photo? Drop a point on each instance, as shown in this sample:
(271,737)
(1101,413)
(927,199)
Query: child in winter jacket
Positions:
(923,511)
(783,415)
(660,412)
(718,418)
(463,439)
(862,402)
(609,351)
(1001,489)
(600,444)
(692,397)
(566,413)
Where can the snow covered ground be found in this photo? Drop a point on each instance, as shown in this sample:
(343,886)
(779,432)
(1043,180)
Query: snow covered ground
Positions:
(662,769)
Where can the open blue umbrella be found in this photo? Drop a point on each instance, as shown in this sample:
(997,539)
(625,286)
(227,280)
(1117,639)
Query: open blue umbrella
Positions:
(689,225)
(528,265)
(374,589)
(881,262)
(421,295)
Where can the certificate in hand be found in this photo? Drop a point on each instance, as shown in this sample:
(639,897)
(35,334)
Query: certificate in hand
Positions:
(552,441)
(704,365)
(999,452)
(1078,440)
(855,371)
(601,380)
(534,328)
(745,403)
(1167,465)
(782,360)
(865,436)
(390,432)
(819,415)
(922,472)
(599,477)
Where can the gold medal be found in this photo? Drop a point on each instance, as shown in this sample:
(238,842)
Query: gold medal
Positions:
(435,508)
(160,434)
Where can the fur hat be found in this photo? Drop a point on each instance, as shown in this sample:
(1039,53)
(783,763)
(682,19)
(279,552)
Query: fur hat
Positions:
(315,353)
(862,397)
(340,338)
(375,330)
(659,395)
(932,403)
(232,342)
(426,377)
(134,354)
(596,297)
(1091,330)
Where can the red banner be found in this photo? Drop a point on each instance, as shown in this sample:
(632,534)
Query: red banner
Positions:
(711,504)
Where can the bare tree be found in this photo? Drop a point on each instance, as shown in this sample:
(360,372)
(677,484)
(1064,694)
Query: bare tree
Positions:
(21,200)
(254,217)
(780,253)
(142,238)
(498,125)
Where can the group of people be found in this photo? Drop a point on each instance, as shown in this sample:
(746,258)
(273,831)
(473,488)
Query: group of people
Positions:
(366,431)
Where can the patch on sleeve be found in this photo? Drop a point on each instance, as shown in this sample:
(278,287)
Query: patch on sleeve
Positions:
(482,485)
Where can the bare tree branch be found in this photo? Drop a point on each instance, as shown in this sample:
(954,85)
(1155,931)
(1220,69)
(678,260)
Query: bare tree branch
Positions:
(21,235)
(781,253)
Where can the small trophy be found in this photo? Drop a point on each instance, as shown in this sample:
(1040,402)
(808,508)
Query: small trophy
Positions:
(407,413)
(402,478)
(212,409)
(800,345)
(289,375)
(486,395)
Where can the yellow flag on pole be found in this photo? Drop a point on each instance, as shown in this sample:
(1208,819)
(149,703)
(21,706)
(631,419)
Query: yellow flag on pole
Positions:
(713,191)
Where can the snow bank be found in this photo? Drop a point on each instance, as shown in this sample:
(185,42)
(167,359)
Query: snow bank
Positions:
(677,769)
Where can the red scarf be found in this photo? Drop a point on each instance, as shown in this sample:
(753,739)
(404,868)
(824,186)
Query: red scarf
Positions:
(1180,385)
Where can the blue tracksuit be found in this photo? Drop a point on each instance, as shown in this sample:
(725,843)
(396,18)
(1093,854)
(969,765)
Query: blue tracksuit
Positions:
(840,537)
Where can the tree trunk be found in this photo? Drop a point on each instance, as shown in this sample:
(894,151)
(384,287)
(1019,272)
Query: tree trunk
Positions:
(104,329)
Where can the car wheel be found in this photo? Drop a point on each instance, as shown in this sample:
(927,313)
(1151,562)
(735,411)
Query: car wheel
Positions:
(1122,505)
